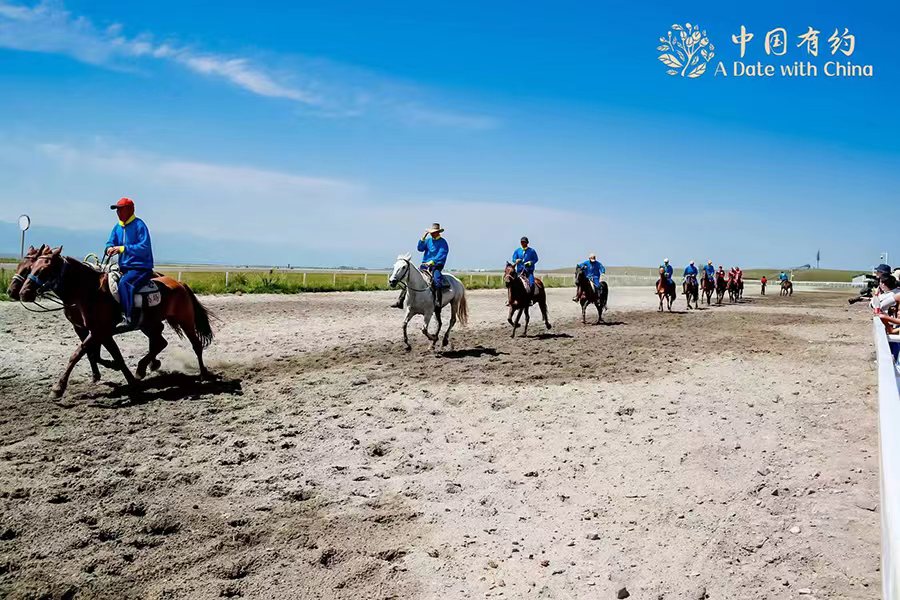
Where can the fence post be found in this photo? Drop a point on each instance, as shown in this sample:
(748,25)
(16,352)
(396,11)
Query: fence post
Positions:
(304,278)
(334,278)
(365,279)
(179,276)
(226,280)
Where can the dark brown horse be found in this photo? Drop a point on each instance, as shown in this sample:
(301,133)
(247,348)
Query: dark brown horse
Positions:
(691,291)
(521,298)
(707,287)
(665,289)
(15,285)
(733,289)
(81,287)
(586,294)
(787,288)
(721,287)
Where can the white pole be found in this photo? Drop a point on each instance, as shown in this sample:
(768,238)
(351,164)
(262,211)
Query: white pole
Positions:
(179,276)
(304,278)
(365,279)
(226,280)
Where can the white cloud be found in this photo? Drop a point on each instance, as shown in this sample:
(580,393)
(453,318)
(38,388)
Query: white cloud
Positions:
(318,86)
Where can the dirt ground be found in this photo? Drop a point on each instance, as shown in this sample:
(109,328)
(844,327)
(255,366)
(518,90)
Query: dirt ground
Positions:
(725,453)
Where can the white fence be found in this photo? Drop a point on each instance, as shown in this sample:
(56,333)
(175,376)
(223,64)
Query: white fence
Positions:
(889,440)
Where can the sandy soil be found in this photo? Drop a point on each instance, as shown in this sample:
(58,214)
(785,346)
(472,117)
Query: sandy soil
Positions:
(724,453)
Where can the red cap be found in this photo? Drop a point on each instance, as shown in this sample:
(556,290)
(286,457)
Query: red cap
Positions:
(122,203)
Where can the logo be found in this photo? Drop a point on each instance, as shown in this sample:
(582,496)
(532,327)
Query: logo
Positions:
(686,51)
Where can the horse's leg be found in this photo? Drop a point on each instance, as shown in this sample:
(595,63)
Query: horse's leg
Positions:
(509,316)
(543,306)
(527,320)
(157,344)
(515,324)
(60,387)
(93,355)
(191,334)
(583,312)
(113,348)
(409,315)
(599,306)
(454,306)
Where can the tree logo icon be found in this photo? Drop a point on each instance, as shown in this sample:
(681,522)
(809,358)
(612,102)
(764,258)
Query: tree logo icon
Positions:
(686,50)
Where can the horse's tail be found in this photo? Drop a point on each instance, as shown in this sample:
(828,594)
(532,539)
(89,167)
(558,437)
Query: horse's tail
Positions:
(201,320)
(462,312)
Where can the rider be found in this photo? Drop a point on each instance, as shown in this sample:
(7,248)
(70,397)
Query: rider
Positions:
(130,239)
(739,274)
(525,258)
(783,277)
(435,250)
(668,269)
(720,272)
(593,269)
(710,270)
(690,271)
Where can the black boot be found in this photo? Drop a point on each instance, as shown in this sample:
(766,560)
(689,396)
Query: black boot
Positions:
(438,299)
(400,300)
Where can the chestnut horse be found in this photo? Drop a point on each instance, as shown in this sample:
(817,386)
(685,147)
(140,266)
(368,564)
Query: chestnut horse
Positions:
(707,287)
(721,286)
(81,287)
(665,289)
(586,294)
(521,298)
(15,285)
(733,289)
(691,291)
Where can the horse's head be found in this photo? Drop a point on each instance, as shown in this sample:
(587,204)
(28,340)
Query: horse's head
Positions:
(45,272)
(509,273)
(23,269)
(662,272)
(400,270)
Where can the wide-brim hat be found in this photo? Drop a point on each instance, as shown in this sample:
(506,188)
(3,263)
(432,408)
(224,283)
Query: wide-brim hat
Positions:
(436,228)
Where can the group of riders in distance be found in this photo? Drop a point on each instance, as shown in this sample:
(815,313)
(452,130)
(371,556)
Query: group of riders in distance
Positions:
(101,298)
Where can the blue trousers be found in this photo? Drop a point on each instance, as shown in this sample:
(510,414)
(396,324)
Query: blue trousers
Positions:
(435,273)
(130,281)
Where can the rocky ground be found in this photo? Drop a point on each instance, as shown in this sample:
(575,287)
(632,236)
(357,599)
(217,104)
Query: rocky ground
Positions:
(726,453)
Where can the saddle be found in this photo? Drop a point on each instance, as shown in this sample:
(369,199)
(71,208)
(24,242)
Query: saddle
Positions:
(147,296)
(429,280)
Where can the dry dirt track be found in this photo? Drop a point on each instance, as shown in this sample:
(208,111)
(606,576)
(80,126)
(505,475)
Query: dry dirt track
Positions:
(669,454)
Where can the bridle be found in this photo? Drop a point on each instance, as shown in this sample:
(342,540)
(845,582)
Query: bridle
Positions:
(47,291)
(403,281)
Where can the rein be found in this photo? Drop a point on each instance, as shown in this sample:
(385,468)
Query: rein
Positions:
(406,277)
(47,291)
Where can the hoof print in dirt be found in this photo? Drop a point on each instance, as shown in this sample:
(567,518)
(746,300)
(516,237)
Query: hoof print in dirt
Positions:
(236,570)
(301,495)
(134,510)
(390,555)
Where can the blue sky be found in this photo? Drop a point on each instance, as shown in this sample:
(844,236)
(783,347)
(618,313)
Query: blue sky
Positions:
(334,133)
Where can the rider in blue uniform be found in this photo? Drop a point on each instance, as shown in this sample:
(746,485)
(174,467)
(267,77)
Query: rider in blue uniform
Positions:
(710,270)
(667,268)
(435,250)
(783,276)
(525,258)
(130,239)
(593,269)
(690,271)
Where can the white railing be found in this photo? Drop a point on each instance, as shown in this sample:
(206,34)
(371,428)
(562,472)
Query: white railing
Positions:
(889,440)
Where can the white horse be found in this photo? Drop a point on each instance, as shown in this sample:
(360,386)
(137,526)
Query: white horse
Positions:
(419,300)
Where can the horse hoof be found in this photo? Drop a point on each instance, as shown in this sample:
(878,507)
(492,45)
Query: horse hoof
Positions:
(56,392)
(140,373)
(95,379)
(155,365)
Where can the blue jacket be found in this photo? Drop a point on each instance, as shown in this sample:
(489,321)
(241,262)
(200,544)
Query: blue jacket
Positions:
(436,250)
(783,276)
(527,255)
(668,269)
(593,269)
(133,240)
(710,271)
(690,270)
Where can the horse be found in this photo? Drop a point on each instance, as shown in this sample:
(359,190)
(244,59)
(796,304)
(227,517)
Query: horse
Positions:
(740,288)
(732,289)
(84,289)
(787,288)
(665,289)
(691,291)
(587,294)
(521,298)
(420,300)
(707,287)
(721,286)
(15,285)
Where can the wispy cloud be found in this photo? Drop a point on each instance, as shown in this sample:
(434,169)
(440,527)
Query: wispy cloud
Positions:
(317,86)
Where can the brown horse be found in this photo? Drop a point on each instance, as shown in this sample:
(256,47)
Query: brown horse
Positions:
(691,291)
(521,298)
(707,287)
(787,288)
(665,289)
(80,287)
(721,286)
(733,290)
(15,285)
(586,294)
